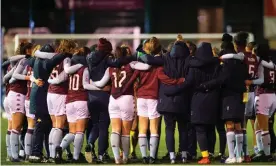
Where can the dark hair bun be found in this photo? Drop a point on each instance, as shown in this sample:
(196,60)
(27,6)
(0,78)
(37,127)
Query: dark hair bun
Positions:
(241,38)
(104,45)
(47,48)
(227,38)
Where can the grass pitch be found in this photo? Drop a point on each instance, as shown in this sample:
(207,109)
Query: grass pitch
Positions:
(162,149)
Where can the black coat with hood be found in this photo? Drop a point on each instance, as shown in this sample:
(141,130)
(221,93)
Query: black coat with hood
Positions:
(174,67)
(202,67)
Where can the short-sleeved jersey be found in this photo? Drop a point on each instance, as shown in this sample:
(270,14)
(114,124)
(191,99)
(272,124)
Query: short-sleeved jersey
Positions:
(269,79)
(149,84)
(61,88)
(29,83)
(269,82)
(76,91)
(7,84)
(119,78)
(19,86)
(252,64)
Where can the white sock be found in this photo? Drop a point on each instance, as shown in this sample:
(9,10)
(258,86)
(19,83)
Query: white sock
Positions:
(78,141)
(184,154)
(56,139)
(245,146)
(266,142)
(259,140)
(28,141)
(51,149)
(239,144)
(230,135)
(125,140)
(143,143)
(8,143)
(172,155)
(115,144)
(67,140)
(256,150)
(154,139)
(14,144)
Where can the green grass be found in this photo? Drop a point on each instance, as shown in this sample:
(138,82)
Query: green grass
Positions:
(162,148)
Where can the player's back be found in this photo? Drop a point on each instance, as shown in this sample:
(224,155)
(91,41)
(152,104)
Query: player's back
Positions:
(19,86)
(76,91)
(149,84)
(61,88)
(252,64)
(119,78)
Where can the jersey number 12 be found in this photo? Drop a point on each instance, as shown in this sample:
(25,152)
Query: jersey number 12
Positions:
(118,83)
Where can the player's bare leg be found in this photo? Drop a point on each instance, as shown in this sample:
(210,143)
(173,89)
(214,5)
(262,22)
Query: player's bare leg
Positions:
(252,122)
(134,136)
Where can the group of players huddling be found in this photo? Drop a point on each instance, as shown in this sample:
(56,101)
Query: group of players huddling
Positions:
(65,90)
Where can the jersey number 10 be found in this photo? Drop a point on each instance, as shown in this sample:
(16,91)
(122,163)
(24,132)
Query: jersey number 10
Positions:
(74,82)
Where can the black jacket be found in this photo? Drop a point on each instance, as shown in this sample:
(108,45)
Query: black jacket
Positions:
(174,67)
(231,80)
(203,67)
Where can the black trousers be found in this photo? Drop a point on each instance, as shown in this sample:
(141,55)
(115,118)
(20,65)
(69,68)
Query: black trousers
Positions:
(98,108)
(205,134)
(220,126)
(170,121)
(192,141)
(92,132)
(272,133)
(41,133)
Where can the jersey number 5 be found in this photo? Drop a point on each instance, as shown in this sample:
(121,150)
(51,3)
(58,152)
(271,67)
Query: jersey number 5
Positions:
(74,82)
(251,70)
(116,83)
(272,76)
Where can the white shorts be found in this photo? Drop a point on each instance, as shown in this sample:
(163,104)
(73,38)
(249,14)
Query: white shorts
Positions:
(7,107)
(122,107)
(265,103)
(249,106)
(76,110)
(16,102)
(56,104)
(147,108)
(27,109)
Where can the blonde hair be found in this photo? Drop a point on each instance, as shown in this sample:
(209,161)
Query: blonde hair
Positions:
(155,46)
(67,46)
(179,38)
(35,48)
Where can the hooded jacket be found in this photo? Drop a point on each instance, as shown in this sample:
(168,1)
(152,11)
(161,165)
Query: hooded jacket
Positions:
(174,67)
(203,67)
